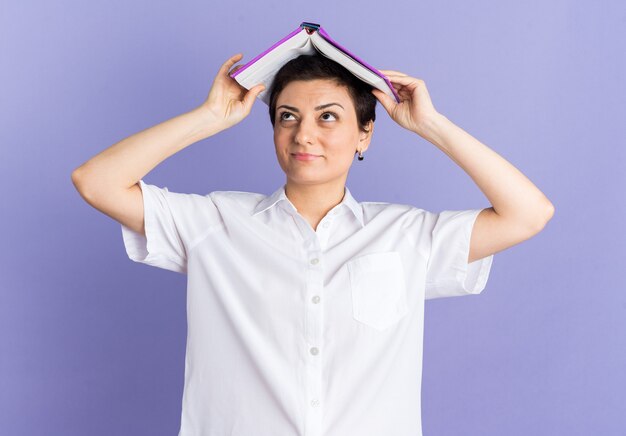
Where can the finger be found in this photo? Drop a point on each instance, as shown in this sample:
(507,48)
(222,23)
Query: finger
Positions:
(392,72)
(251,96)
(385,100)
(399,75)
(230,62)
(405,80)
(234,70)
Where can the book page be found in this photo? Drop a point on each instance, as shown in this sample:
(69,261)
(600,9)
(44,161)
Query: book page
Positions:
(336,54)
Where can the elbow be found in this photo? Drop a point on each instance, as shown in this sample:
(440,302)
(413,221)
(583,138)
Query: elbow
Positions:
(545,216)
(81,181)
(550,211)
(77,178)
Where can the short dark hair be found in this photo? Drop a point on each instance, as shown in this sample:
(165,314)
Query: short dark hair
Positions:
(316,66)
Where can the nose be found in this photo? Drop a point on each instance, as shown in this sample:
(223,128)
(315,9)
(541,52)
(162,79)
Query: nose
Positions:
(305,133)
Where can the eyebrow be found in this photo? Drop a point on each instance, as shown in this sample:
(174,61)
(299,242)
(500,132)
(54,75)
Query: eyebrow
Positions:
(316,108)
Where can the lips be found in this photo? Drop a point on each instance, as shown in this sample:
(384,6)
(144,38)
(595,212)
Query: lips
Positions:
(305,156)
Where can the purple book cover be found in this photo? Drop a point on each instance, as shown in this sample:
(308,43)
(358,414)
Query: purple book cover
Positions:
(327,37)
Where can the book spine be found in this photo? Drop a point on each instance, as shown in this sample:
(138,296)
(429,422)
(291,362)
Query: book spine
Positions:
(309,27)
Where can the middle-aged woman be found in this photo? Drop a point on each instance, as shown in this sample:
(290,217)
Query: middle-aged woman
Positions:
(306,307)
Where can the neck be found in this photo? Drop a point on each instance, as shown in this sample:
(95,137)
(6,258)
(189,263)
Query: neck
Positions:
(314,201)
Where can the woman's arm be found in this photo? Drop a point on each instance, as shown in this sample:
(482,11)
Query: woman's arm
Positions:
(109,180)
(519,209)
(123,164)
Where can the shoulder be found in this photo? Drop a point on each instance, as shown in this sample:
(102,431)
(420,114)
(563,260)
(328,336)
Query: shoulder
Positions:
(373,208)
(404,214)
(235,195)
(237,199)
(194,200)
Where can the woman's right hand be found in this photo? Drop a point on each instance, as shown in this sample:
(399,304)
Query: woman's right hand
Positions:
(228,102)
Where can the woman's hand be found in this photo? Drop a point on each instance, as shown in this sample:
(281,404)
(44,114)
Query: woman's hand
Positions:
(228,102)
(415,110)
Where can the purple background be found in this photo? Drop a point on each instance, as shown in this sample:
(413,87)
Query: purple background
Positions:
(92,343)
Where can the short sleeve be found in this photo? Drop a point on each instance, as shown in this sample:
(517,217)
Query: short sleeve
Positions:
(172,221)
(448,273)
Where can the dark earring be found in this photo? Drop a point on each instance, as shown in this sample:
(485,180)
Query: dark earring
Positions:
(360,155)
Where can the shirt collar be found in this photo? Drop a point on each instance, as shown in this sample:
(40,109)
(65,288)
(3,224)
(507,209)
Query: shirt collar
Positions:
(279,197)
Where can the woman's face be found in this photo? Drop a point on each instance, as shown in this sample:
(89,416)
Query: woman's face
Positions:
(317,117)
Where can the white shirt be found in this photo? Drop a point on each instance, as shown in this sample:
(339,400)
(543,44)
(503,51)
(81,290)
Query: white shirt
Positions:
(296,332)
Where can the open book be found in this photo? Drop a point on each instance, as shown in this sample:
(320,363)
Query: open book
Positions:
(306,39)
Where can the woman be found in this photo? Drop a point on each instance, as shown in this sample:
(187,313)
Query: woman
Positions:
(305,308)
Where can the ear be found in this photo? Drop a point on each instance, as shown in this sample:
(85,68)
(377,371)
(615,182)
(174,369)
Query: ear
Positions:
(366,137)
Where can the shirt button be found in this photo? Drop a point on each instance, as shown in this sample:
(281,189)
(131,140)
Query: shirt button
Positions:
(314,261)
(326,224)
(315,299)
(314,351)
(315,402)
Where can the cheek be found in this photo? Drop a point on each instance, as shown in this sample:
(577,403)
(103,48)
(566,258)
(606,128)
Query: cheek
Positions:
(342,142)
(280,140)
(337,137)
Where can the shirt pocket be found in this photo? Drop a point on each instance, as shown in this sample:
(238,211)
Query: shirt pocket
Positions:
(378,289)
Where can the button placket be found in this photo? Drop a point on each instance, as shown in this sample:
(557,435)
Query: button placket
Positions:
(314,316)
(323,230)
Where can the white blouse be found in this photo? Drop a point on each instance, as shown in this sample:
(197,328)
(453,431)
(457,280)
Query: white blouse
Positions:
(294,331)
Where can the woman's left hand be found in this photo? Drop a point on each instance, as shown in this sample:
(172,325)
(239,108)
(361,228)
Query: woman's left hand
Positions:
(415,110)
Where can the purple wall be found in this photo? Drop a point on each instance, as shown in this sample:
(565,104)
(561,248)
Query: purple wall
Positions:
(92,343)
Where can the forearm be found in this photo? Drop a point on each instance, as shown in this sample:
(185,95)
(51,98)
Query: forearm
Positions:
(510,192)
(126,162)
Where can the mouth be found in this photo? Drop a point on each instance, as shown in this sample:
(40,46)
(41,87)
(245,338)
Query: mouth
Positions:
(305,156)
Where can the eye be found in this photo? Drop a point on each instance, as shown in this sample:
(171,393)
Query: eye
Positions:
(331,114)
(281,115)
